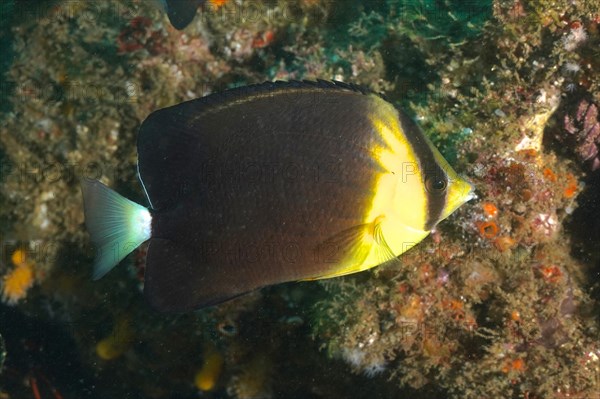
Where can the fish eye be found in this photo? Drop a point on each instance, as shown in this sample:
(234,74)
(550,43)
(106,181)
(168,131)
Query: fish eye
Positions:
(435,184)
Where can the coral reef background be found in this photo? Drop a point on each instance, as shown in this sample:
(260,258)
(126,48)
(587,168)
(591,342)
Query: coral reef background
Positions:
(501,301)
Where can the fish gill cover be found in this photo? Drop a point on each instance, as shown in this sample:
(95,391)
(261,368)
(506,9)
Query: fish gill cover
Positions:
(501,300)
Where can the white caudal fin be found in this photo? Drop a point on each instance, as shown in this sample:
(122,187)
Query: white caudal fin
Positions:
(116,225)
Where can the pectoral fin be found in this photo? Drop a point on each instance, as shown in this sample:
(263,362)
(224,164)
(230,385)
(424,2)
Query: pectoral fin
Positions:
(382,250)
(350,248)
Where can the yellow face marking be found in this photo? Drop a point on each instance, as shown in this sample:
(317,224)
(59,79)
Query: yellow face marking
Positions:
(386,158)
(399,191)
(399,207)
(399,204)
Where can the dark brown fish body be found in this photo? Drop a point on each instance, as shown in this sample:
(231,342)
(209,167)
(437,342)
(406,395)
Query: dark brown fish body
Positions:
(271,183)
(248,193)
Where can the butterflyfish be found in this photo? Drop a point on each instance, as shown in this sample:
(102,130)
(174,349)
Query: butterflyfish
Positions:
(270,183)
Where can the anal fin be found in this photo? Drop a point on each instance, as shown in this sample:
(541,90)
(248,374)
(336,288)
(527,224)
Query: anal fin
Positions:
(176,281)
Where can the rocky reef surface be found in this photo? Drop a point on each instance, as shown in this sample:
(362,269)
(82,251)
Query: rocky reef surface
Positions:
(500,301)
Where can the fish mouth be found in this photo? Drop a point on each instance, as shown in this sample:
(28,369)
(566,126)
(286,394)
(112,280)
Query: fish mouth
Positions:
(471,195)
(459,192)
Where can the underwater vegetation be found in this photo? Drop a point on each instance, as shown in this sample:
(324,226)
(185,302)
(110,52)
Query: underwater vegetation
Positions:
(501,300)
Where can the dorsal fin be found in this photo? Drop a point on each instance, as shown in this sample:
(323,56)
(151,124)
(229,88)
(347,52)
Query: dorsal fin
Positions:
(235,94)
